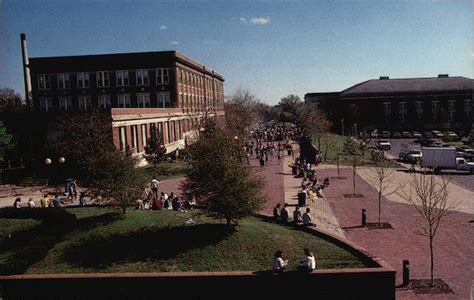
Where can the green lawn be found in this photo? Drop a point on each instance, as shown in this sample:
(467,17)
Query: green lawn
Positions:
(156,241)
(165,170)
(332,144)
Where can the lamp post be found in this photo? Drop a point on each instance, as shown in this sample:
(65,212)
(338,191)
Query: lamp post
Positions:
(342,127)
(48,162)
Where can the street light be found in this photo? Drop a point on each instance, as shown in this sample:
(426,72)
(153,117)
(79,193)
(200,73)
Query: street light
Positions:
(342,126)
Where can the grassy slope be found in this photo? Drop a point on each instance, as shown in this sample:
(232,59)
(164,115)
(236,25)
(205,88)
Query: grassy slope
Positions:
(165,170)
(156,241)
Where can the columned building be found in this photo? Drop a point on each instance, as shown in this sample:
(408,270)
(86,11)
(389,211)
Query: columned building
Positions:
(165,90)
(413,104)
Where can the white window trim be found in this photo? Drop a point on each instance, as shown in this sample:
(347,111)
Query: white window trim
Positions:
(122,74)
(161,74)
(42,78)
(103,78)
(64,81)
(140,74)
(107,101)
(81,78)
(125,104)
(84,103)
(140,97)
(67,101)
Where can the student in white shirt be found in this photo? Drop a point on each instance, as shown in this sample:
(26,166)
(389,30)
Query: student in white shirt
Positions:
(308,263)
(278,263)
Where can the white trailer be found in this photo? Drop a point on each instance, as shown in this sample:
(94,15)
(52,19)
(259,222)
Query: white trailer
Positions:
(444,158)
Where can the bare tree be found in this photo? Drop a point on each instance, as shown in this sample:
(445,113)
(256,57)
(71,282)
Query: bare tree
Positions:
(241,111)
(352,151)
(428,194)
(381,174)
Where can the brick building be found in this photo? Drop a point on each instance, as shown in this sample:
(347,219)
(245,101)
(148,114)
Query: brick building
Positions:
(413,104)
(140,90)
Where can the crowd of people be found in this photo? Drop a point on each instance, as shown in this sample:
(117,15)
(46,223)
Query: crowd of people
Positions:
(281,215)
(46,202)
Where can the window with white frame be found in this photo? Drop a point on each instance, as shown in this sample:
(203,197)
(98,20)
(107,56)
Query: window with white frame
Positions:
(402,111)
(134,138)
(44,82)
(467,106)
(142,77)
(452,109)
(46,104)
(84,103)
(162,76)
(123,139)
(435,109)
(387,110)
(163,99)
(122,78)
(419,109)
(123,100)
(103,79)
(83,80)
(104,102)
(65,103)
(144,137)
(143,100)
(63,81)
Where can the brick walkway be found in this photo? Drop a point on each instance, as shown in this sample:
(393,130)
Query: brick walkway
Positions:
(454,256)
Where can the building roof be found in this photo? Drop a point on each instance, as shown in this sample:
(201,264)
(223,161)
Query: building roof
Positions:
(385,86)
(115,61)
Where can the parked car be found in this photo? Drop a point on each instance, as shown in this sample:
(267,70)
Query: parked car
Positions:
(424,142)
(406,135)
(427,134)
(374,134)
(411,156)
(452,136)
(437,134)
(386,134)
(383,145)
(416,134)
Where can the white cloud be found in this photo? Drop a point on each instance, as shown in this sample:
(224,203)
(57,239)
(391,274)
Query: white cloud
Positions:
(242,19)
(174,43)
(163,27)
(260,20)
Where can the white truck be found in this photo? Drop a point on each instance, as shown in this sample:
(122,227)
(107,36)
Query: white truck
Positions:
(444,158)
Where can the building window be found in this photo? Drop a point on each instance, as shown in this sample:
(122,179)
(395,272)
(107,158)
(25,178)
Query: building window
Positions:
(387,110)
(46,104)
(163,99)
(142,77)
(419,109)
(123,100)
(122,78)
(144,138)
(402,111)
(84,103)
(143,100)
(63,81)
(162,76)
(103,79)
(123,139)
(435,109)
(451,109)
(83,80)
(467,107)
(65,103)
(44,82)
(104,102)
(134,138)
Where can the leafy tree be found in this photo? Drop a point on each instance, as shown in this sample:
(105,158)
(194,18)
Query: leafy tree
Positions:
(83,139)
(289,107)
(220,182)
(429,196)
(312,122)
(10,101)
(155,151)
(5,142)
(352,151)
(117,180)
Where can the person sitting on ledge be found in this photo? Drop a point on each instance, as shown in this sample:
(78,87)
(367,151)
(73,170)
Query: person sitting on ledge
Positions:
(17,203)
(284,214)
(31,203)
(307,218)
(297,218)
(276,212)
(56,202)
(278,263)
(308,262)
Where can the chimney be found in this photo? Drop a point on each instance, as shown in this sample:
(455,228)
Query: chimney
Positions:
(443,75)
(384,78)
(26,70)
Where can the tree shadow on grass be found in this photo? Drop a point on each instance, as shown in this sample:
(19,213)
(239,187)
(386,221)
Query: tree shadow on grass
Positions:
(149,244)
(28,247)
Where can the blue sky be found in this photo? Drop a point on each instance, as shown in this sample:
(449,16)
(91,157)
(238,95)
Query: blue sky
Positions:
(273,48)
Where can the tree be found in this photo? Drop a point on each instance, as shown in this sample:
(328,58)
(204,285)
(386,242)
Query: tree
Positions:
(312,122)
(380,174)
(241,111)
(155,151)
(428,195)
(117,180)
(352,151)
(219,181)
(83,139)
(289,108)
(5,142)
(10,101)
